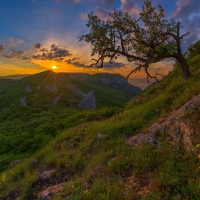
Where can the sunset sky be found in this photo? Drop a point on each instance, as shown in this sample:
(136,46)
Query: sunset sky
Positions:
(31,29)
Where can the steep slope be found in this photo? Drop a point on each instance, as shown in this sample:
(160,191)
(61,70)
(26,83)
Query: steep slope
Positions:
(95,161)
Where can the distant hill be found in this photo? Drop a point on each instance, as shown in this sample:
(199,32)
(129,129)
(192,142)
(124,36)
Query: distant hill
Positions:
(16,76)
(110,89)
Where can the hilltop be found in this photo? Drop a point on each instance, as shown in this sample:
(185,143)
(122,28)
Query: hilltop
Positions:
(138,152)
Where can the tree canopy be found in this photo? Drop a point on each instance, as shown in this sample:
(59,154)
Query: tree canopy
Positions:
(194,49)
(149,39)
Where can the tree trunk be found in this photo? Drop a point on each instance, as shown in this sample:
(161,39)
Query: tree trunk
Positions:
(184,66)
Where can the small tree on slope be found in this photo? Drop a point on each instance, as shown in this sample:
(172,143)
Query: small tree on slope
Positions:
(146,40)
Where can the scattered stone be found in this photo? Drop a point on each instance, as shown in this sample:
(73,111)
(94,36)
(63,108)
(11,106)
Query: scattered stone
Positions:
(38,87)
(177,197)
(89,102)
(23,101)
(100,136)
(14,163)
(53,88)
(110,161)
(46,175)
(157,111)
(35,161)
(28,89)
(48,193)
(56,100)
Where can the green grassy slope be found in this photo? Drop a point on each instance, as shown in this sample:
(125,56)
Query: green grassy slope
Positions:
(108,168)
(24,130)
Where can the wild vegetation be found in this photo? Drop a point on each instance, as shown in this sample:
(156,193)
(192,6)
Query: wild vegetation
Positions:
(24,130)
(103,166)
(149,39)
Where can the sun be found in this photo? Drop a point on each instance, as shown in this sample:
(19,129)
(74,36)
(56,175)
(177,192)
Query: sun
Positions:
(54,67)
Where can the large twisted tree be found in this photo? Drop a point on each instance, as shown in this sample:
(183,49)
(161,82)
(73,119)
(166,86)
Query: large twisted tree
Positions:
(149,39)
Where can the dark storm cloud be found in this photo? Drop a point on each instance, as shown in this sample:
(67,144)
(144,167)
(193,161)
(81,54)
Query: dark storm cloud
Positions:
(75,63)
(78,64)
(3,48)
(70,61)
(115,65)
(37,45)
(106,65)
(14,54)
(54,53)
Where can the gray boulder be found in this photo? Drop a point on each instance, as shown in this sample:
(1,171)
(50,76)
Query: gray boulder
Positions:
(23,101)
(89,102)
(28,89)
(56,100)
(53,88)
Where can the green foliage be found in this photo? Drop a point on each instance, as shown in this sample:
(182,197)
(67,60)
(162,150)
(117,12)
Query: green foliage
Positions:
(149,39)
(193,50)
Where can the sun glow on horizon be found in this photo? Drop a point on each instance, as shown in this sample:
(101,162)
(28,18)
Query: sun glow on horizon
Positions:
(54,67)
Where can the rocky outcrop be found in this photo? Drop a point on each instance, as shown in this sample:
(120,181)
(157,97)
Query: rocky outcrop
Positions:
(23,101)
(56,100)
(28,89)
(175,127)
(53,88)
(76,91)
(48,193)
(89,102)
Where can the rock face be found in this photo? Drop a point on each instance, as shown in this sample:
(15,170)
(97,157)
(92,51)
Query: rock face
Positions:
(38,87)
(76,91)
(23,101)
(175,127)
(89,102)
(139,139)
(56,100)
(28,89)
(53,88)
